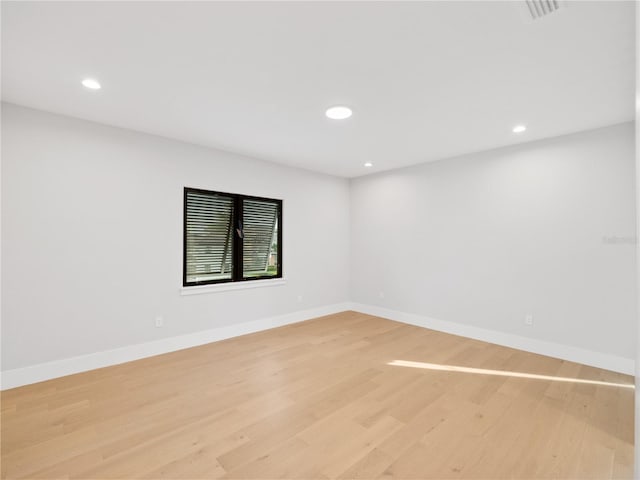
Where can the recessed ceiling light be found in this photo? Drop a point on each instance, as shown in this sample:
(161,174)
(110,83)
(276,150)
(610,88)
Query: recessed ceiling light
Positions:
(339,112)
(91,84)
(368,164)
(519,129)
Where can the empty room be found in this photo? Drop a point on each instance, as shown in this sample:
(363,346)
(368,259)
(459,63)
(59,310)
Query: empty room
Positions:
(318,240)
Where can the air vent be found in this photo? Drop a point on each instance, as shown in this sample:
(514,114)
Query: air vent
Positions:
(542,8)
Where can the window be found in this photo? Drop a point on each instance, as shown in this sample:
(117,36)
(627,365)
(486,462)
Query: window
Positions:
(230,238)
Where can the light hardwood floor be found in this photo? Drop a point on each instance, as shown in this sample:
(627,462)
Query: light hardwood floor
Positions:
(319,399)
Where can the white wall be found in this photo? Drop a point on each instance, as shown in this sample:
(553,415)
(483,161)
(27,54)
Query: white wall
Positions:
(637,132)
(92,237)
(484,239)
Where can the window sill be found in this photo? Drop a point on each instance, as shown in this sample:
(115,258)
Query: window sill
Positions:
(224,287)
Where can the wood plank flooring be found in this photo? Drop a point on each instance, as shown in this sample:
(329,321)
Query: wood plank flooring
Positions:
(319,400)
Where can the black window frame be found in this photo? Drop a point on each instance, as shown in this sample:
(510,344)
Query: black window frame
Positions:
(237,243)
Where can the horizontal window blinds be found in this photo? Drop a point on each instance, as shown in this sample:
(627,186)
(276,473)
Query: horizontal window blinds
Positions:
(209,229)
(259,219)
(230,238)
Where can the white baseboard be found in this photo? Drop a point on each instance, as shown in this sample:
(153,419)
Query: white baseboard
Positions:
(550,349)
(46,371)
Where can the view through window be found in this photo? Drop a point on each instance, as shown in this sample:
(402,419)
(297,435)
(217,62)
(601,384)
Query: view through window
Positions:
(230,237)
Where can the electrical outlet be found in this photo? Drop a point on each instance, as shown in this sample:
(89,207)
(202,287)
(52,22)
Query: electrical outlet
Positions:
(299,298)
(381,294)
(159,321)
(528,320)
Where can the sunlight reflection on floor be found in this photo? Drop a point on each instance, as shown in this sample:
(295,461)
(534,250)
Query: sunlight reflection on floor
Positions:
(502,373)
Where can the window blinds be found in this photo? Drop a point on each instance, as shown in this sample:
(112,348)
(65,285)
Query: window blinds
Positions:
(209,230)
(259,219)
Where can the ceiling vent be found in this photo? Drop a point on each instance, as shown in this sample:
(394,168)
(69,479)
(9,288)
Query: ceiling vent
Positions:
(542,8)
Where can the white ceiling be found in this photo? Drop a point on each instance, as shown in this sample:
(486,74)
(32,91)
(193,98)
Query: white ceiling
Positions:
(426,80)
